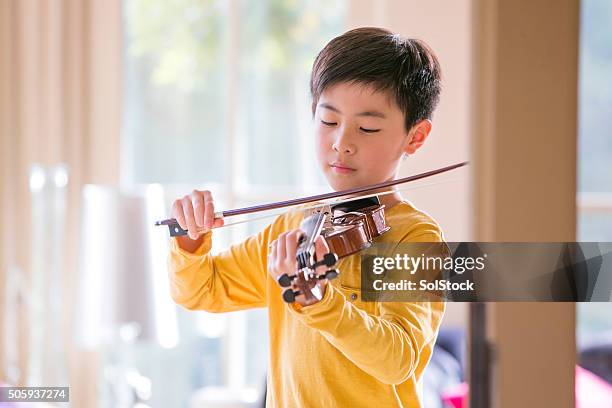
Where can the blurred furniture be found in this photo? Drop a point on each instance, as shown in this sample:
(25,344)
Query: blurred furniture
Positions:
(224,397)
(44,294)
(596,356)
(446,366)
(122,296)
(590,392)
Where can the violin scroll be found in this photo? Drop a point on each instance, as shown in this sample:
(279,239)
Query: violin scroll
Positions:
(329,259)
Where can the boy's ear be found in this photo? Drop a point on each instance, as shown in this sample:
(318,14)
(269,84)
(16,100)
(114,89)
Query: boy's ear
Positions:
(417,136)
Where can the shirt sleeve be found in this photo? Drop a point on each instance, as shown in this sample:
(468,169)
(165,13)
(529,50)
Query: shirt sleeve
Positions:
(393,345)
(234,279)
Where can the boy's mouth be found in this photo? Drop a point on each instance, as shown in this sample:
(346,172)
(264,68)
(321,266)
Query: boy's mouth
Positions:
(341,168)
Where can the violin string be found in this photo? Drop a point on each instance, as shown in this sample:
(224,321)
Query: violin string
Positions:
(314,206)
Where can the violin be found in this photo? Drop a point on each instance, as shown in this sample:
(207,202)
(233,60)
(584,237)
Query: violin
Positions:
(348,227)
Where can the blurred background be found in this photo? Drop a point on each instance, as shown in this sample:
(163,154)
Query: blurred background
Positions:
(110,110)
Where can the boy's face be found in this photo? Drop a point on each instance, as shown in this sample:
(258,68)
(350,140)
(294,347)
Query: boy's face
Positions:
(360,136)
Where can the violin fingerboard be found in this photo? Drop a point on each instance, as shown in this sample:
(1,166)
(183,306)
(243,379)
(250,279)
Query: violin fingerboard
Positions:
(312,228)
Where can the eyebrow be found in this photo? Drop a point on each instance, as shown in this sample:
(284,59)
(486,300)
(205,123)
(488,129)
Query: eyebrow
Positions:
(374,113)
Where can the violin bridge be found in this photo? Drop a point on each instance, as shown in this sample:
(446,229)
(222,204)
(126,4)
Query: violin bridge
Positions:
(323,208)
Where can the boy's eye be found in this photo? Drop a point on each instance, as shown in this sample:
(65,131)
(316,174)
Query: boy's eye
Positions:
(328,123)
(369,130)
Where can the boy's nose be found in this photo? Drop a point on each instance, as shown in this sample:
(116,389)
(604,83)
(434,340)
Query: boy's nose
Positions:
(344,145)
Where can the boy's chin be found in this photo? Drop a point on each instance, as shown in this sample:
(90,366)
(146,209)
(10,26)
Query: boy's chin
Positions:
(344,183)
(339,183)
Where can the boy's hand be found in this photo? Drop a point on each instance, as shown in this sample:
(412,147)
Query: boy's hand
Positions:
(281,260)
(196,213)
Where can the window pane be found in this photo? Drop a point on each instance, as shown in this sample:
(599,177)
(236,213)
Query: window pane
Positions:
(185,89)
(595,97)
(595,227)
(175,64)
(279,41)
(595,148)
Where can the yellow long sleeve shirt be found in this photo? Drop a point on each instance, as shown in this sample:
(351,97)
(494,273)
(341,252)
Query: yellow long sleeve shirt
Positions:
(338,352)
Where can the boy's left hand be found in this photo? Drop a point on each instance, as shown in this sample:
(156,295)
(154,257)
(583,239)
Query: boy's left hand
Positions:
(281,259)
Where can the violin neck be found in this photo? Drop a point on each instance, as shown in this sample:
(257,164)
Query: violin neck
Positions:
(312,227)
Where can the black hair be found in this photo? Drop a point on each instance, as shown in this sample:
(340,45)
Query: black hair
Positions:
(406,68)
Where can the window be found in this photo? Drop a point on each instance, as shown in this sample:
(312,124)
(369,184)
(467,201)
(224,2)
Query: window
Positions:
(216,96)
(595,149)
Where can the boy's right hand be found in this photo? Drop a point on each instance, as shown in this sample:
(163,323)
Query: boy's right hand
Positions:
(196,213)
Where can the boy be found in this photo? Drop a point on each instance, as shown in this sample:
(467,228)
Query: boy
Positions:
(373,95)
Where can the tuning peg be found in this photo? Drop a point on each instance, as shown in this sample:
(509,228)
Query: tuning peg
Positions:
(329,259)
(331,274)
(289,295)
(285,280)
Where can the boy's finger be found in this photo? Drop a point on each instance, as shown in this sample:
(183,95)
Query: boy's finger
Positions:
(272,259)
(291,242)
(281,246)
(197,201)
(177,212)
(189,218)
(209,209)
(219,222)
(321,248)
(209,214)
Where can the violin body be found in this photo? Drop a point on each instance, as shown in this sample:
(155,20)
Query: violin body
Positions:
(352,232)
